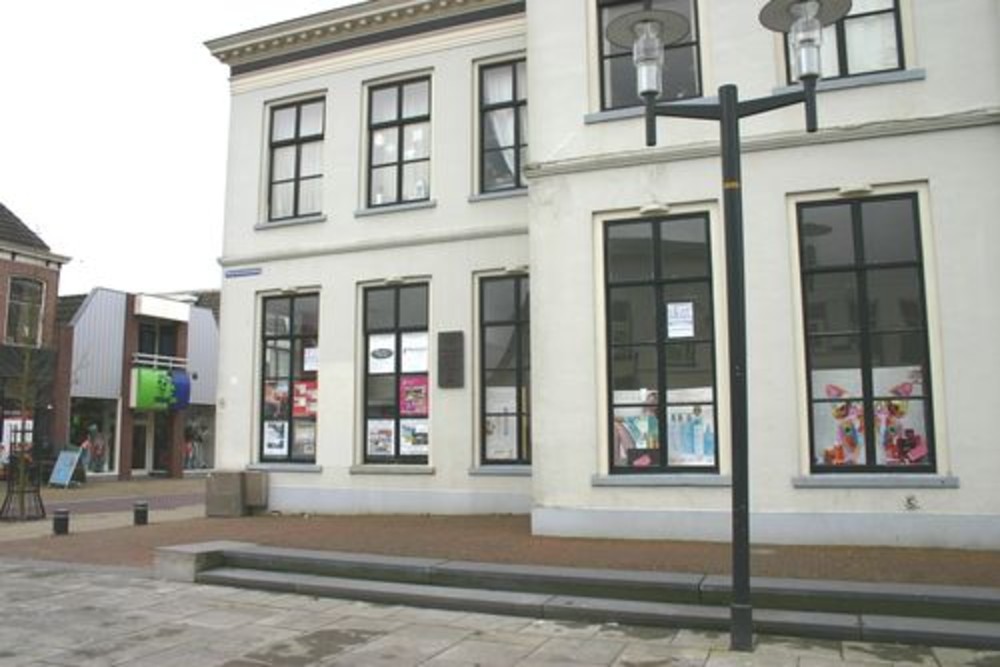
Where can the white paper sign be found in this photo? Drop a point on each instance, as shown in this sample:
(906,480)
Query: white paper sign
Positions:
(680,319)
(414,353)
(310,359)
(382,354)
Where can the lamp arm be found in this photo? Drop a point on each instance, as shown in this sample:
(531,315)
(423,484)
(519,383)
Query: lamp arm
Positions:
(770,103)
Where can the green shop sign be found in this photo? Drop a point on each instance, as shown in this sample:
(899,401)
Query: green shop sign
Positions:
(160,390)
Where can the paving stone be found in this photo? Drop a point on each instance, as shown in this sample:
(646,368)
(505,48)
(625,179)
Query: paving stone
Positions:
(963,657)
(477,651)
(796,646)
(636,632)
(660,655)
(888,654)
(701,639)
(582,651)
(561,628)
(312,647)
(726,658)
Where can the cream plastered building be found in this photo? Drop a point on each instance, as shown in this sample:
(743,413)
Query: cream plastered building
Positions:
(388,214)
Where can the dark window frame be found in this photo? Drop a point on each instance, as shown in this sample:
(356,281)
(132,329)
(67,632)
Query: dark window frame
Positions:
(843,69)
(297,141)
(662,342)
(400,122)
(35,310)
(858,268)
(398,332)
(522,371)
(290,378)
(604,58)
(518,105)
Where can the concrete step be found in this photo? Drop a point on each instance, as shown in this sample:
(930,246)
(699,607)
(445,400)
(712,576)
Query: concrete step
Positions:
(944,602)
(838,626)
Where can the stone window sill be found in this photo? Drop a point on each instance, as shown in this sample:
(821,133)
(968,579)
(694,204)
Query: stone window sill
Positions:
(700,480)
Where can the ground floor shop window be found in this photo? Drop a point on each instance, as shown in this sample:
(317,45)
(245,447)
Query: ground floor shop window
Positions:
(93,428)
(867,356)
(397,381)
(505,354)
(661,345)
(290,379)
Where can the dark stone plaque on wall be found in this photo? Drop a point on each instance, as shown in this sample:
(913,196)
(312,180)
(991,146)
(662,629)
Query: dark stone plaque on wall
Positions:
(451,359)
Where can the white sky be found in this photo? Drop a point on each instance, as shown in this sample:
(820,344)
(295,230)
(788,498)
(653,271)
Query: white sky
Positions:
(113,133)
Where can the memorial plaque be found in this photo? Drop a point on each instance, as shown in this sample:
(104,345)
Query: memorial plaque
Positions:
(451,359)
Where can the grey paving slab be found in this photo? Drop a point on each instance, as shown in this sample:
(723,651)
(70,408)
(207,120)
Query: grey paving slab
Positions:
(117,618)
(893,654)
(582,651)
(963,657)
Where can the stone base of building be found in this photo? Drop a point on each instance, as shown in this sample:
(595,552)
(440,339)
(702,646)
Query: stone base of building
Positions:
(957,531)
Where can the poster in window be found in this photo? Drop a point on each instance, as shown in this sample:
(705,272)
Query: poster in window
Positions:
(691,435)
(413,357)
(413,396)
(304,441)
(304,397)
(275,438)
(310,359)
(501,438)
(413,437)
(501,400)
(276,399)
(680,319)
(382,354)
(381,437)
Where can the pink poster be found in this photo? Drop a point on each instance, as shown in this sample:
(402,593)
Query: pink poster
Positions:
(413,397)
(304,398)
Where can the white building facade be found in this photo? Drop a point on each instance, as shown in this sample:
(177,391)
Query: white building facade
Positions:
(429,309)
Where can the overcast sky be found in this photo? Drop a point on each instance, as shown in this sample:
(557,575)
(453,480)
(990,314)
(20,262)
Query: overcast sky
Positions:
(113,122)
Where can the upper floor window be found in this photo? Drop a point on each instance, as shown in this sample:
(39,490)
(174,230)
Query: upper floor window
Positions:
(867,356)
(867,40)
(503,125)
(397,380)
(661,345)
(290,379)
(399,142)
(24,311)
(506,370)
(157,343)
(296,160)
(682,60)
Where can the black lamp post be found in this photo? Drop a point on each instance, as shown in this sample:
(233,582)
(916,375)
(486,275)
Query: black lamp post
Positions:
(646,32)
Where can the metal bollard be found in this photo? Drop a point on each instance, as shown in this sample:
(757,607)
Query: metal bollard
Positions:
(140,513)
(60,522)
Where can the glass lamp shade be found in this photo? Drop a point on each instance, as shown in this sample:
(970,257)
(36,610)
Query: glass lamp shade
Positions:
(646,32)
(647,54)
(806,37)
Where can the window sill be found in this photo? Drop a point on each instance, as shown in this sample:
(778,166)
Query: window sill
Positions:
(861,80)
(697,479)
(285,467)
(501,471)
(875,481)
(291,222)
(388,469)
(500,194)
(395,208)
(637,111)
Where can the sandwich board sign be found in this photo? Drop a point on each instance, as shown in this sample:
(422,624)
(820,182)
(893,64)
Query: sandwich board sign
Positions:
(62,472)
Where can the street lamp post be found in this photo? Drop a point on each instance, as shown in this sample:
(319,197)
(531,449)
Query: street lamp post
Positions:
(646,32)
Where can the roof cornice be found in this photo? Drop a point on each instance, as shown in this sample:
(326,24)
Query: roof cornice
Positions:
(357,25)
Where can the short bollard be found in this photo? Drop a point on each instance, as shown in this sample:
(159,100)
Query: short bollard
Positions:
(60,522)
(140,513)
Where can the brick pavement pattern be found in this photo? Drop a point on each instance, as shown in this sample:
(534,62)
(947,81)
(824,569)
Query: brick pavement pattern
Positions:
(75,615)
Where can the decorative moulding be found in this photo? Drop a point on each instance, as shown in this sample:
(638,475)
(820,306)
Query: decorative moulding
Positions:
(283,40)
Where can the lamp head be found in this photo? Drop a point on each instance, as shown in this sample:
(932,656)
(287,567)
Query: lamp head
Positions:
(803,22)
(646,32)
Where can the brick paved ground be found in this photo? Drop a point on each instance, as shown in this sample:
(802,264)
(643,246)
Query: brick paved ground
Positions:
(504,539)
